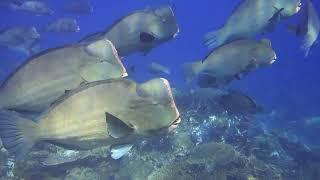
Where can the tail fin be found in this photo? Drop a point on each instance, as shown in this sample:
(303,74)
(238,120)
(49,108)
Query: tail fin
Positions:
(18,134)
(214,39)
(306,46)
(191,70)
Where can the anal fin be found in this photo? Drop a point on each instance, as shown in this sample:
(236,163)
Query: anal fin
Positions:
(118,151)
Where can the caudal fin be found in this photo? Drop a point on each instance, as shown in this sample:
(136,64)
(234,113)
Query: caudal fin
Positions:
(214,39)
(191,70)
(306,46)
(18,134)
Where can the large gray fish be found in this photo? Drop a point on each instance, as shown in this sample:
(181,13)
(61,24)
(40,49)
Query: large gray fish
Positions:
(63,25)
(229,62)
(101,113)
(250,18)
(46,76)
(140,31)
(32,6)
(309,26)
(21,39)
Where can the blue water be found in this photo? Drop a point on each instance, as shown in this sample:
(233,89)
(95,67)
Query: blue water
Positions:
(290,86)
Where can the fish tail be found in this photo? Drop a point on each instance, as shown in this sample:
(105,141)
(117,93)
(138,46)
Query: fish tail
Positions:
(18,134)
(191,70)
(214,39)
(306,46)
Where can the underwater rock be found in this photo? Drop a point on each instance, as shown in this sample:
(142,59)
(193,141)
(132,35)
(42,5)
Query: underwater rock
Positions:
(266,146)
(215,161)
(139,164)
(182,142)
(300,152)
(82,174)
(57,162)
(6,165)
(171,172)
(212,154)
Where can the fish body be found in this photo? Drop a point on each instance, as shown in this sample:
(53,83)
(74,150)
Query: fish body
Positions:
(313,122)
(34,85)
(238,103)
(33,7)
(250,18)
(93,115)
(20,39)
(63,25)
(229,62)
(140,31)
(78,7)
(309,26)
(155,68)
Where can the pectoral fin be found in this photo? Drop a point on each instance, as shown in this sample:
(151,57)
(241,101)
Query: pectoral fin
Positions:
(116,128)
(118,151)
(274,20)
(101,71)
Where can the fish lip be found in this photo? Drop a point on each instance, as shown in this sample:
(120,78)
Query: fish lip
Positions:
(176,34)
(125,74)
(175,123)
(78,29)
(298,8)
(273,59)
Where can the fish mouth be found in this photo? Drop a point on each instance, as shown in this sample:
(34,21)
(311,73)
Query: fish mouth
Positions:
(273,59)
(299,7)
(174,124)
(177,120)
(176,34)
(77,29)
(125,74)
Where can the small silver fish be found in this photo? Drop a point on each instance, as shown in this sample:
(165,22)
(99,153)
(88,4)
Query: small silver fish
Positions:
(33,7)
(155,68)
(22,39)
(63,25)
